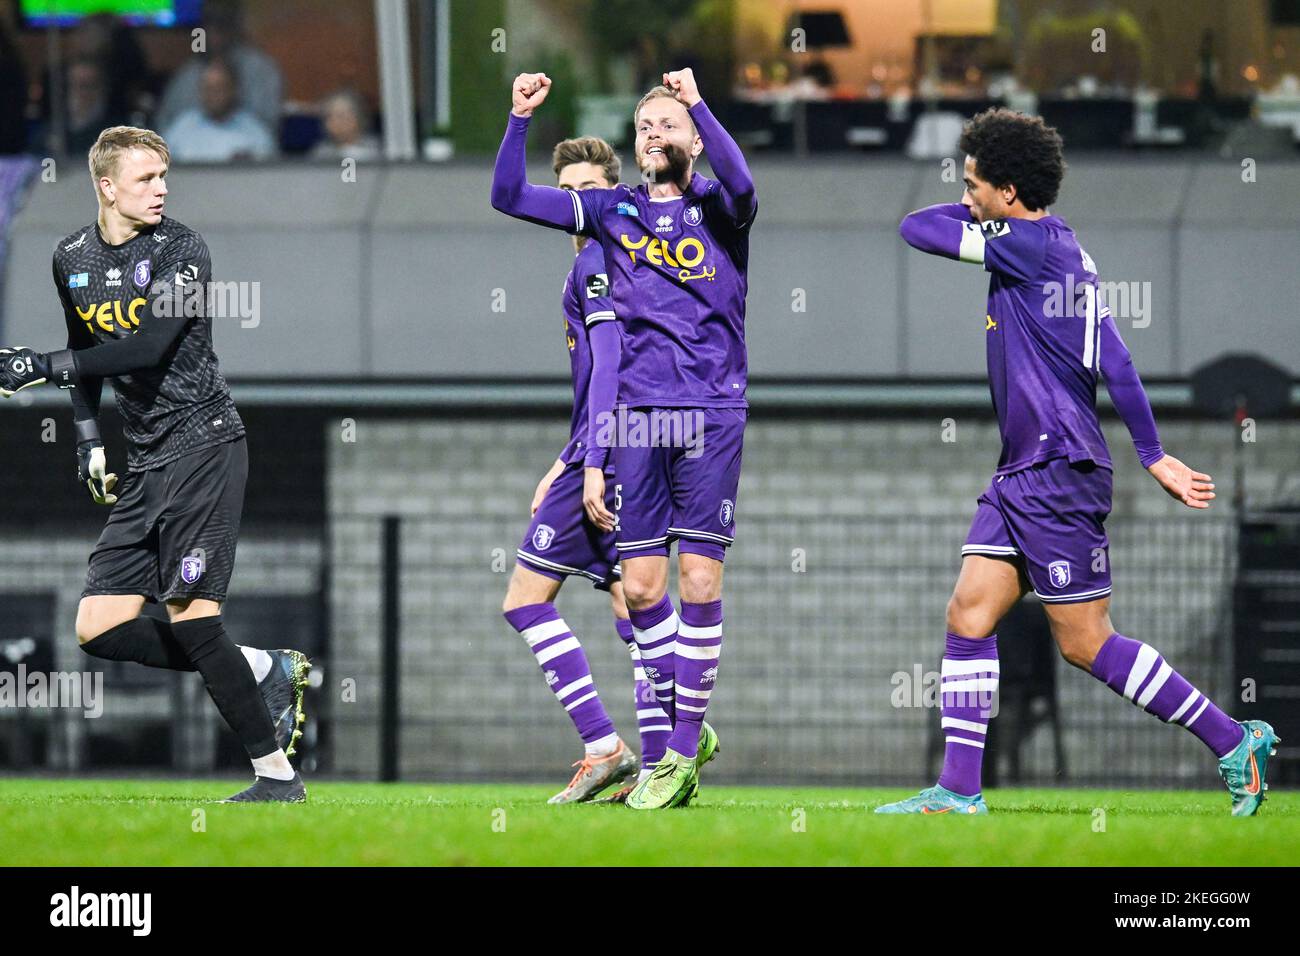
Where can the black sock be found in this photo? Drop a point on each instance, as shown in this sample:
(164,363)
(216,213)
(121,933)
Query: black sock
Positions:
(145,640)
(230,682)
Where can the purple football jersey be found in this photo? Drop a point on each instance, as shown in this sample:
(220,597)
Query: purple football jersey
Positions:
(679,273)
(586,302)
(1043,337)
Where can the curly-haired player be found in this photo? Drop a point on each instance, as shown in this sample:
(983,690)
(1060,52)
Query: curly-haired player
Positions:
(1040,523)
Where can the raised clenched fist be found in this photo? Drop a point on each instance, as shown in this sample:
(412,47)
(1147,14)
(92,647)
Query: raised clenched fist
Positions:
(528,92)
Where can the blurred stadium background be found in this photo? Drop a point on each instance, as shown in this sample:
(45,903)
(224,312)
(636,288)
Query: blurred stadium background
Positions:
(404,380)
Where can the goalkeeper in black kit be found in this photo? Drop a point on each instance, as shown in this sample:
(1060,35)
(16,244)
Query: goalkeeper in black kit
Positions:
(133,286)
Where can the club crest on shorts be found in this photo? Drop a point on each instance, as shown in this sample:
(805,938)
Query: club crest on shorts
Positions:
(726,512)
(543,537)
(191,568)
(1060,573)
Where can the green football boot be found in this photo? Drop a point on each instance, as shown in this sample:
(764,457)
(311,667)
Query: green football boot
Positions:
(1243,769)
(667,786)
(709,745)
(936,799)
(708,749)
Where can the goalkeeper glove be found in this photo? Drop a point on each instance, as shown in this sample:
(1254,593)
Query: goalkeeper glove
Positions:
(21,367)
(92,465)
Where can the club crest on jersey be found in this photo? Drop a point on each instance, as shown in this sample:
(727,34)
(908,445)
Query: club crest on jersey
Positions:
(597,285)
(191,568)
(113,277)
(1060,573)
(141,273)
(79,281)
(543,537)
(664,224)
(627,209)
(726,512)
(692,215)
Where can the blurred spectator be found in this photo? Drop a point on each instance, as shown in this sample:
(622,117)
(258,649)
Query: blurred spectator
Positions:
(260,83)
(219,129)
(86,112)
(347,129)
(128,81)
(13,93)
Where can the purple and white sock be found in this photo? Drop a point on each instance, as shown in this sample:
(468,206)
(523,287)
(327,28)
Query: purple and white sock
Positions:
(564,665)
(650,717)
(699,644)
(968,688)
(655,630)
(1137,672)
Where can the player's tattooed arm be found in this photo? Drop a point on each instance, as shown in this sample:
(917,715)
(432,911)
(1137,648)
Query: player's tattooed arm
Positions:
(545,484)
(738,194)
(512,193)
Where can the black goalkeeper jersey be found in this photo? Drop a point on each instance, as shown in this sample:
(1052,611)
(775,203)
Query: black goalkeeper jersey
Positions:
(110,292)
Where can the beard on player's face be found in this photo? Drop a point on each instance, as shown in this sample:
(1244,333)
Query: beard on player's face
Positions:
(670,166)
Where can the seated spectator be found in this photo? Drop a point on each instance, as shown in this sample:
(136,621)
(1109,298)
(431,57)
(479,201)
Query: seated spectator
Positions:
(88,105)
(260,83)
(347,125)
(219,130)
(129,90)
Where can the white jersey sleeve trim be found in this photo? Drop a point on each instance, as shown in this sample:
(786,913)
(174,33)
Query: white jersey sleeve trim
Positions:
(972,243)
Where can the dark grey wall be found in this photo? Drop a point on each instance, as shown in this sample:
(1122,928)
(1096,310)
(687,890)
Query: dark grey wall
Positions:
(394,275)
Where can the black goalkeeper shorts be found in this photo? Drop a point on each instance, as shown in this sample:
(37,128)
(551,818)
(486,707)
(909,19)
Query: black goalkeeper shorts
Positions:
(172,534)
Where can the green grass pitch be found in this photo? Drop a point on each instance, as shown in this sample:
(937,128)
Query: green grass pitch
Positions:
(53,822)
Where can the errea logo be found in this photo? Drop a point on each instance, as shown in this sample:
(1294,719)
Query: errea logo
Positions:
(664,224)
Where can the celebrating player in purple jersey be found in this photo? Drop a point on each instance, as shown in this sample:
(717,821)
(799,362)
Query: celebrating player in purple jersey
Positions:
(677,248)
(1040,523)
(572,535)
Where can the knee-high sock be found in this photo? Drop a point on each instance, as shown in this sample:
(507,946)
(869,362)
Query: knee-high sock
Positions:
(699,645)
(564,665)
(655,631)
(144,640)
(229,681)
(650,717)
(969,681)
(1137,672)
(149,641)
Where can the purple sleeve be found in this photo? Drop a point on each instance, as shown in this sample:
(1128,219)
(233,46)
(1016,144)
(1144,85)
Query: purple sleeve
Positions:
(514,195)
(602,391)
(738,196)
(937,230)
(1128,395)
(1012,247)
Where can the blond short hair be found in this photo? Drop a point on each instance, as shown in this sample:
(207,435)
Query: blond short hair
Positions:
(655,93)
(587,149)
(116,140)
